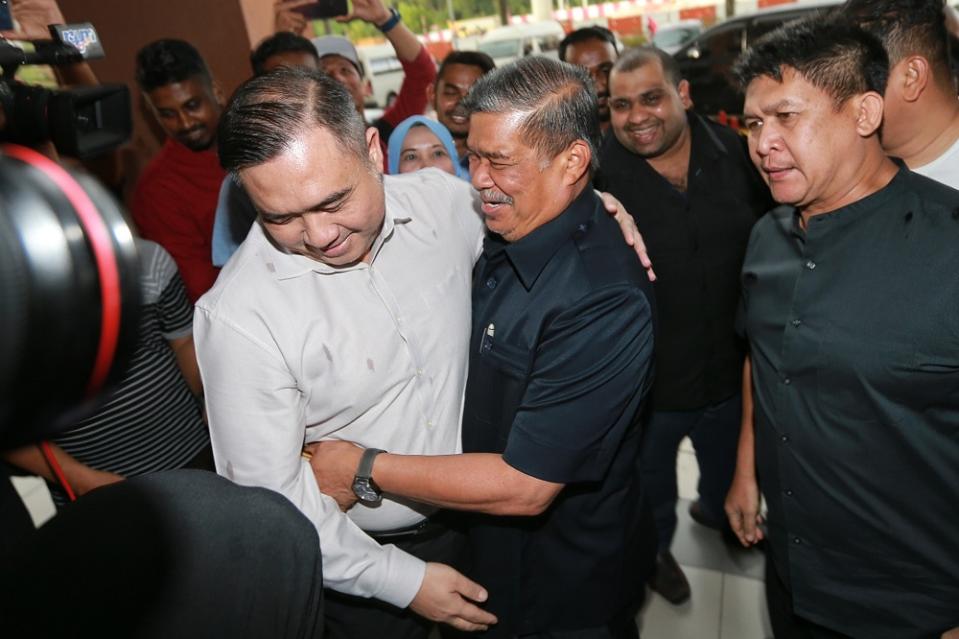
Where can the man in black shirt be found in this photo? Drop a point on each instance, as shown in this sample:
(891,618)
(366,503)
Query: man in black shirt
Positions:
(560,362)
(695,196)
(851,308)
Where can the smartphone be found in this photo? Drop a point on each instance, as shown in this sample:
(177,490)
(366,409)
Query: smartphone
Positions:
(322,9)
(6,19)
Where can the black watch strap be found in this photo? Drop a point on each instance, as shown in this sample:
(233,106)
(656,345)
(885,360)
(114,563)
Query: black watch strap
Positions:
(365,468)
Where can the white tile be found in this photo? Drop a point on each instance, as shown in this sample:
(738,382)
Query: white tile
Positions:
(698,618)
(687,475)
(744,609)
(34,493)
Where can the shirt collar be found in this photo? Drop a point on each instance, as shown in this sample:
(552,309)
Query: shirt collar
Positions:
(790,218)
(529,255)
(289,265)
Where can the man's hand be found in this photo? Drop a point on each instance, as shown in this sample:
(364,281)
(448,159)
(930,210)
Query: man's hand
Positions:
(951,634)
(630,233)
(334,465)
(372,11)
(447,596)
(742,509)
(285,19)
(33,16)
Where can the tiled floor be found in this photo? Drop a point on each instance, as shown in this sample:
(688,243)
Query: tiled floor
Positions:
(727,588)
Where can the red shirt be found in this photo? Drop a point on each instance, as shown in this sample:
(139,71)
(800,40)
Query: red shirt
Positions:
(418,74)
(174,204)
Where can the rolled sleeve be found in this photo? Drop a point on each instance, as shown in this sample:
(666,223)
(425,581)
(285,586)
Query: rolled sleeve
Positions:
(256,414)
(589,374)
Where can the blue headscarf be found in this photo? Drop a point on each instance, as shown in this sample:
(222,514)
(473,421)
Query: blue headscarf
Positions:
(440,131)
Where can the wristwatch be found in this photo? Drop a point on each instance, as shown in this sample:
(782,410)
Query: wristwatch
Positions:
(364,487)
(394,20)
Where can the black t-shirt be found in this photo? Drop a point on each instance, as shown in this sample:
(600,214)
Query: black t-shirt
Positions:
(560,361)
(696,241)
(853,326)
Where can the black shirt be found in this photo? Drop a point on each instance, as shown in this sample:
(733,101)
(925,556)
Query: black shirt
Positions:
(853,326)
(560,360)
(696,241)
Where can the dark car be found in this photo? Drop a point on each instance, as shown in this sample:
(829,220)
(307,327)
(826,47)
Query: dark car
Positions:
(707,61)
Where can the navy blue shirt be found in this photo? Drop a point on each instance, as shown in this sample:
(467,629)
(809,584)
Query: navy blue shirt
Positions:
(853,325)
(560,361)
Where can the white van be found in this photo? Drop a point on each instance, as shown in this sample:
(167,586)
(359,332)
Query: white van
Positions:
(383,71)
(505,44)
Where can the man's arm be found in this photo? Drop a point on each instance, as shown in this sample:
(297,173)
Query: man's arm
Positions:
(419,70)
(82,478)
(579,393)
(256,413)
(742,501)
(479,482)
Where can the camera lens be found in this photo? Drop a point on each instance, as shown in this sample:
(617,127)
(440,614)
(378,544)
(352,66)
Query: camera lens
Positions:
(69,293)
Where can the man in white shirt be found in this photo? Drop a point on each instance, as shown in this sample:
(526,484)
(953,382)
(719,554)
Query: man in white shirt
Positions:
(921,117)
(345,314)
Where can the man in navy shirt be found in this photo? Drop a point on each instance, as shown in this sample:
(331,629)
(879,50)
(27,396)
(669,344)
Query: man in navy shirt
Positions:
(560,364)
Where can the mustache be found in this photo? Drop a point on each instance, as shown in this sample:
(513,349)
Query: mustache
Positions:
(492,196)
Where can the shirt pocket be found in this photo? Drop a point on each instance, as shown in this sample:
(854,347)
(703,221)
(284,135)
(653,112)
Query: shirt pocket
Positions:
(866,380)
(496,392)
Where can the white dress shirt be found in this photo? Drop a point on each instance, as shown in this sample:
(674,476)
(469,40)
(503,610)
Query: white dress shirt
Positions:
(292,351)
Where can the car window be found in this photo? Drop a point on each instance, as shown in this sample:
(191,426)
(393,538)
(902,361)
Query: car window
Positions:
(723,42)
(672,37)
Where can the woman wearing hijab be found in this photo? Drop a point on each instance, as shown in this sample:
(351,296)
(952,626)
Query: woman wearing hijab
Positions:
(419,142)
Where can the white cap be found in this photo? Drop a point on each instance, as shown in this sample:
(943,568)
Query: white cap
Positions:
(337,45)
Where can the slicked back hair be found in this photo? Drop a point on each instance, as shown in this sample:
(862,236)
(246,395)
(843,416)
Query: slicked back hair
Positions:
(169,61)
(905,27)
(637,57)
(837,57)
(594,32)
(269,111)
(468,58)
(556,99)
(281,42)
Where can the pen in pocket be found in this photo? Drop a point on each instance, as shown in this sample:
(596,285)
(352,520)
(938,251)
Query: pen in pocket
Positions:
(487,342)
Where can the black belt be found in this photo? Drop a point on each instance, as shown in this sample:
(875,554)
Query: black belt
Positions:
(422,530)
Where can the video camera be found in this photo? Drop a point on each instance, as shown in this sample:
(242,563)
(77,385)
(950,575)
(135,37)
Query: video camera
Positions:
(82,122)
(69,294)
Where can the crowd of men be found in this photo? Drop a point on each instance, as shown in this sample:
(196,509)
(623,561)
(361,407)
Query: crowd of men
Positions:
(474,390)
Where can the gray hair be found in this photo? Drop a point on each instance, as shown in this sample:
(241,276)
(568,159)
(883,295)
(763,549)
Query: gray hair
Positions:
(556,98)
(267,112)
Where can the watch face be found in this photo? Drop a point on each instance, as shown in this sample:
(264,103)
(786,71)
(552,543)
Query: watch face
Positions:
(366,491)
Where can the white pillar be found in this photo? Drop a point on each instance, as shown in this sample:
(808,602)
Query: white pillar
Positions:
(542,9)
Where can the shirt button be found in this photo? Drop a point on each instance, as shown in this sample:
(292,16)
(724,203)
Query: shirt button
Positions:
(419,372)
(785,438)
(797,540)
(796,322)
(788,492)
(787,381)
(491,282)
(810,264)
(429,423)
